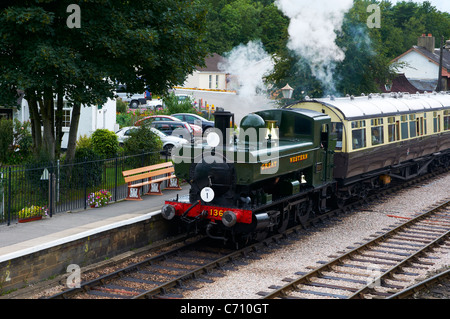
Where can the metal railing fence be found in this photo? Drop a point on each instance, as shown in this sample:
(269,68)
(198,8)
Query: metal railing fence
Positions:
(60,187)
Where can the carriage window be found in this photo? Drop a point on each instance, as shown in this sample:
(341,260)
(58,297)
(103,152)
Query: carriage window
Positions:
(337,128)
(377,132)
(358,134)
(436,122)
(446,120)
(392,130)
(412,126)
(404,127)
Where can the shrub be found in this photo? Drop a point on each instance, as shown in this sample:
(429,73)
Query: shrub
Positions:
(121,106)
(93,171)
(174,106)
(143,140)
(6,139)
(105,143)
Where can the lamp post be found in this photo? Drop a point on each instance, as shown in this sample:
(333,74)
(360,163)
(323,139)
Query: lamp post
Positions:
(287,92)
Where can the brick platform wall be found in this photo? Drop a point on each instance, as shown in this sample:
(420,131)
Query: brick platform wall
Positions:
(48,263)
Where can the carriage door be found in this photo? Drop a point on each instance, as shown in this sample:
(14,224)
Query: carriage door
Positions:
(324,145)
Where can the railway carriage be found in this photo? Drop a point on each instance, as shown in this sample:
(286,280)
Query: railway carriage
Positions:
(386,136)
(305,159)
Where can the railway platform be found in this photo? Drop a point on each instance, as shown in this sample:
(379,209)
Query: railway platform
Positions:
(23,246)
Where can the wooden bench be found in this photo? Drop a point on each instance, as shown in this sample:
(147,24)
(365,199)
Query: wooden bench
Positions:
(146,176)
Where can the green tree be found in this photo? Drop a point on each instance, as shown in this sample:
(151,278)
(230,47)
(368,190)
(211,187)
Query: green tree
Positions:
(140,43)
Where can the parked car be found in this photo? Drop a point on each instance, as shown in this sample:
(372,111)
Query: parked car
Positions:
(184,97)
(197,130)
(169,142)
(195,119)
(135,101)
(174,128)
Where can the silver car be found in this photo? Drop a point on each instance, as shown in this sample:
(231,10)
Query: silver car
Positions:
(169,141)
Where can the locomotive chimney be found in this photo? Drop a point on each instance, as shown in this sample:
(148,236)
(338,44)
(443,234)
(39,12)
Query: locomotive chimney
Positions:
(427,41)
(223,120)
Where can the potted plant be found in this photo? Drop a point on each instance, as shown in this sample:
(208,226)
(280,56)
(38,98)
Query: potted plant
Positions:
(99,198)
(28,214)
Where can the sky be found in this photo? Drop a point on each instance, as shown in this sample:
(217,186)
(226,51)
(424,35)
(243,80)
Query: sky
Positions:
(442,5)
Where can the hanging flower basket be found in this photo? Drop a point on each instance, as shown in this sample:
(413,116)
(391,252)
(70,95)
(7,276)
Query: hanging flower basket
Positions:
(99,198)
(28,214)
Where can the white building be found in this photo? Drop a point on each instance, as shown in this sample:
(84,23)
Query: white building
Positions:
(209,77)
(421,64)
(91,119)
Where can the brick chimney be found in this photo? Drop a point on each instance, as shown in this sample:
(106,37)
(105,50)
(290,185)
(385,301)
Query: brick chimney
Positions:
(427,41)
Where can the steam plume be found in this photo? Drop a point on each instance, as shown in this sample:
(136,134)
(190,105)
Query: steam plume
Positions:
(312,33)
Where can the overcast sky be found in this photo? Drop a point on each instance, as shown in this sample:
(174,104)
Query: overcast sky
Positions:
(442,5)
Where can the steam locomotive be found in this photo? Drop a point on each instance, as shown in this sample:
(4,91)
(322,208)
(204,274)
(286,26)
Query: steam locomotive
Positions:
(287,165)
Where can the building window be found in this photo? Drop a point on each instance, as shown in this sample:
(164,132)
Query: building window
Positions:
(66,118)
(358,134)
(210,81)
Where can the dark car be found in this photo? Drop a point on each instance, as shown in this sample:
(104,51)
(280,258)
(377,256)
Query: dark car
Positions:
(195,119)
(175,128)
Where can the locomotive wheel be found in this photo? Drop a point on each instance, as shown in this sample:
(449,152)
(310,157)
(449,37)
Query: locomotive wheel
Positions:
(302,212)
(284,220)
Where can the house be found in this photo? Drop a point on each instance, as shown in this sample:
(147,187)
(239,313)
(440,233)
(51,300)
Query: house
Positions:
(400,84)
(421,64)
(91,118)
(209,77)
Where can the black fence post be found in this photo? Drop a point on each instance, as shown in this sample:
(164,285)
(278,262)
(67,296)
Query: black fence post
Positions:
(115,181)
(50,181)
(9,196)
(85,183)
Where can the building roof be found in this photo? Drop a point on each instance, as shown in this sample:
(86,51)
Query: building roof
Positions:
(400,84)
(432,56)
(212,63)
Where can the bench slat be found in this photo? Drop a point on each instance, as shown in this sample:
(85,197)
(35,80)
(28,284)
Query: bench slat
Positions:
(149,174)
(146,168)
(165,178)
(146,172)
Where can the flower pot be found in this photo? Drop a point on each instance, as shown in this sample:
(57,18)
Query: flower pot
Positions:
(29,219)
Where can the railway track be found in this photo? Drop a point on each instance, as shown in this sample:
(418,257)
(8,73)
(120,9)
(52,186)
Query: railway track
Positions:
(157,276)
(154,276)
(384,267)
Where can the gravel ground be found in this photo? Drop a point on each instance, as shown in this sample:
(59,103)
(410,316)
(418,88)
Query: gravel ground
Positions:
(312,246)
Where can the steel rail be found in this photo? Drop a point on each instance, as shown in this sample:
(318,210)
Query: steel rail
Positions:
(405,293)
(282,292)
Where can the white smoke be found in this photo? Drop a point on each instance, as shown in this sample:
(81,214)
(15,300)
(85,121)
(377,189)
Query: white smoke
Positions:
(247,66)
(312,34)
